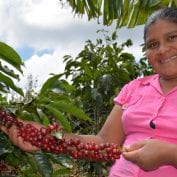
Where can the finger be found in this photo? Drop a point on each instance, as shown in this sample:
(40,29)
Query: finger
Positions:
(13,134)
(26,146)
(4,129)
(132,155)
(134,146)
(19,141)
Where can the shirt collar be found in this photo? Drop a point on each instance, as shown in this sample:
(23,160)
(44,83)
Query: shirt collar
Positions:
(152,79)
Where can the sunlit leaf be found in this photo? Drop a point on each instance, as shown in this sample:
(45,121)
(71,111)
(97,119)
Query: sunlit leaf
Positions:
(126,13)
(10,83)
(5,69)
(9,55)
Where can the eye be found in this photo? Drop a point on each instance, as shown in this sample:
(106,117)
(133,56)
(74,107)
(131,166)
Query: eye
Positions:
(152,45)
(172,37)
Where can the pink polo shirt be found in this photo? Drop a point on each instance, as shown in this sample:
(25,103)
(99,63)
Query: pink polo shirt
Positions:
(142,101)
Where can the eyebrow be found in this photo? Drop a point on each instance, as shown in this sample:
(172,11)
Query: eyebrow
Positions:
(171,32)
(167,34)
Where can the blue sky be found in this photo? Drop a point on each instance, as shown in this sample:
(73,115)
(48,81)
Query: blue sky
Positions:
(42,32)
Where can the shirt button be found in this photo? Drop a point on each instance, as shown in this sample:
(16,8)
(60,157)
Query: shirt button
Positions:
(124,106)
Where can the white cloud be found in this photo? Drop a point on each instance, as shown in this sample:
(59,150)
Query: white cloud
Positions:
(47,14)
(41,24)
(42,67)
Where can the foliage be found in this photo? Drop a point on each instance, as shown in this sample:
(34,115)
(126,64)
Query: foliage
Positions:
(99,71)
(125,12)
(10,62)
(53,103)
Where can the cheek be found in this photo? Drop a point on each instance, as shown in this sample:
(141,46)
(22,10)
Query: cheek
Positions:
(150,57)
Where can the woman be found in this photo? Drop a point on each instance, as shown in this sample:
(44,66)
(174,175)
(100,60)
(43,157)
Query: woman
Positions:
(143,118)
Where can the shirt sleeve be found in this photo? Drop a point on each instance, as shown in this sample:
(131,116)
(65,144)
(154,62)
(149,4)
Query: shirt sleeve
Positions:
(120,99)
(126,92)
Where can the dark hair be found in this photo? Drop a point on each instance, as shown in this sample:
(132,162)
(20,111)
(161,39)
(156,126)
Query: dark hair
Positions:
(168,13)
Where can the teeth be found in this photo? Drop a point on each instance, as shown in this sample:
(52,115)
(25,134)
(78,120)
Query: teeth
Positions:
(169,59)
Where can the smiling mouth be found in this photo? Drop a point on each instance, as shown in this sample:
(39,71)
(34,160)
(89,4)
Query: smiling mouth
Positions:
(168,59)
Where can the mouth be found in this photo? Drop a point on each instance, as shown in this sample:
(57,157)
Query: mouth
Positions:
(168,59)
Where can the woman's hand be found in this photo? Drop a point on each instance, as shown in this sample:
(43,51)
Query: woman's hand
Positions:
(151,154)
(12,132)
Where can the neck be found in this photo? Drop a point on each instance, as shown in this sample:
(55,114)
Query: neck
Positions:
(168,84)
(173,79)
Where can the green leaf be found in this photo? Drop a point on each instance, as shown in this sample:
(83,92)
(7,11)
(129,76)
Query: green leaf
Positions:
(4,144)
(62,172)
(32,161)
(58,115)
(28,115)
(9,55)
(43,117)
(153,3)
(114,35)
(3,88)
(70,108)
(55,85)
(50,83)
(62,159)
(12,159)
(125,12)
(44,164)
(9,83)
(5,69)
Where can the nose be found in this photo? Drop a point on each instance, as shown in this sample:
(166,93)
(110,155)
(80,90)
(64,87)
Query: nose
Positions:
(163,48)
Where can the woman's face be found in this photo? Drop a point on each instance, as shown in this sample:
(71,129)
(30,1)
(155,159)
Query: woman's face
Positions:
(161,48)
